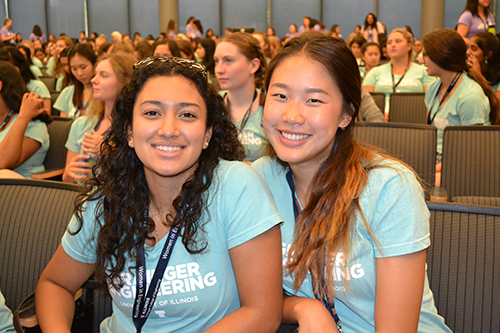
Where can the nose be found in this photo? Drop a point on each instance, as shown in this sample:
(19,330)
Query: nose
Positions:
(94,80)
(168,127)
(293,114)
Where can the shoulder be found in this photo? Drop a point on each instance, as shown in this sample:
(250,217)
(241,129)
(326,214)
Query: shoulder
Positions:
(430,93)
(268,167)
(465,18)
(230,172)
(39,88)
(83,123)
(37,130)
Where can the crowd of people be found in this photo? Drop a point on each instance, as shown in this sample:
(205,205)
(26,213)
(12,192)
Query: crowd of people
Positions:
(221,143)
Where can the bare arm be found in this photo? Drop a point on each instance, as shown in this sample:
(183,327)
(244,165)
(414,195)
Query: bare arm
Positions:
(369,88)
(258,273)
(16,148)
(311,315)
(56,288)
(398,298)
(463,30)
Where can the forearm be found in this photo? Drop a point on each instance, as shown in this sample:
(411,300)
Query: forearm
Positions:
(12,144)
(55,307)
(247,320)
(309,313)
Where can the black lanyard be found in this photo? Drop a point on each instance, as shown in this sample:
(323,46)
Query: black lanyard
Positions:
(394,86)
(247,114)
(7,119)
(296,211)
(450,88)
(144,302)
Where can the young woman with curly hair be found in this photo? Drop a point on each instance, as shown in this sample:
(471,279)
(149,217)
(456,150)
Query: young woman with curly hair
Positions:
(168,166)
(356,224)
(240,67)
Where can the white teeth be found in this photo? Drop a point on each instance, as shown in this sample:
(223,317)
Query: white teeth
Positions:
(169,149)
(293,137)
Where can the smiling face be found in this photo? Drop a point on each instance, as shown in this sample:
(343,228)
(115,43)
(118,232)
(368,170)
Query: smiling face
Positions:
(105,82)
(82,68)
(60,45)
(303,111)
(169,128)
(232,68)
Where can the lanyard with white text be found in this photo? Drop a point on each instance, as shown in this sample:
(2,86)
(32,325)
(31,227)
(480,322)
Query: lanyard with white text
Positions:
(296,211)
(144,302)
(450,88)
(7,119)
(394,86)
(247,114)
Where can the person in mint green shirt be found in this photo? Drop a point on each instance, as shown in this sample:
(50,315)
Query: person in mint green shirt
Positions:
(400,74)
(240,68)
(171,214)
(6,323)
(356,226)
(24,138)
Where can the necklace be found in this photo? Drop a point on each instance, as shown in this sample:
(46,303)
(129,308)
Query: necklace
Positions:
(247,114)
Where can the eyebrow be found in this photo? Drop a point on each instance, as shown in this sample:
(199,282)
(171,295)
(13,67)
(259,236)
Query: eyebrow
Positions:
(177,104)
(307,90)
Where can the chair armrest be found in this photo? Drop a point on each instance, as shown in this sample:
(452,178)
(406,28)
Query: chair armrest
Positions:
(439,194)
(47,174)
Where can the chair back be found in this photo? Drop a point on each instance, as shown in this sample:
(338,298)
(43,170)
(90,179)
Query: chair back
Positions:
(379,99)
(471,161)
(49,81)
(34,215)
(413,144)
(463,266)
(407,108)
(58,132)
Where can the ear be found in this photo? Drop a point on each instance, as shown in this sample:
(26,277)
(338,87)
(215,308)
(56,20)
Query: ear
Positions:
(486,57)
(1,85)
(130,139)
(254,65)
(208,136)
(346,119)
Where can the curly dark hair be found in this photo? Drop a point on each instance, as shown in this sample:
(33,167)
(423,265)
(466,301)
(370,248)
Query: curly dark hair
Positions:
(119,184)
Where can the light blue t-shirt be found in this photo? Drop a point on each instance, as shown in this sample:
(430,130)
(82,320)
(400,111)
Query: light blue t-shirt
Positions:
(6,324)
(414,80)
(51,66)
(37,62)
(36,130)
(38,87)
(36,71)
(393,204)
(64,103)
(196,290)
(468,105)
(80,125)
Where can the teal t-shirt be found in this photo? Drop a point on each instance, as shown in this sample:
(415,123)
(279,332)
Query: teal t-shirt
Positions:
(64,103)
(253,137)
(36,130)
(37,62)
(393,204)
(51,66)
(414,80)
(468,105)
(36,71)
(196,290)
(38,87)
(80,125)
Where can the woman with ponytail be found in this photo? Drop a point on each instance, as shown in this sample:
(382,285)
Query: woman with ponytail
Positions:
(356,225)
(460,95)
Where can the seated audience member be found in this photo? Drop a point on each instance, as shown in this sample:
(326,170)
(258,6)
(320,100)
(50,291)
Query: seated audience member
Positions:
(168,167)
(292,31)
(357,32)
(400,74)
(460,95)
(75,99)
(6,323)
(417,48)
(264,43)
(143,50)
(355,46)
(13,56)
(24,139)
(53,68)
(186,49)
(167,48)
(208,46)
(371,58)
(112,72)
(26,52)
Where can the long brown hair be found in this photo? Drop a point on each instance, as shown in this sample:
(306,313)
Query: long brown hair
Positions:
(325,225)
(447,49)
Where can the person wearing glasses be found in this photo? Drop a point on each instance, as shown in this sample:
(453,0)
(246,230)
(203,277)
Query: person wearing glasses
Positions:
(185,236)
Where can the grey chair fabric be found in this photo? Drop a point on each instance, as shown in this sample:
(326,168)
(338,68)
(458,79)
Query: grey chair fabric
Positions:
(379,99)
(407,108)
(463,266)
(412,143)
(49,81)
(33,217)
(471,161)
(478,201)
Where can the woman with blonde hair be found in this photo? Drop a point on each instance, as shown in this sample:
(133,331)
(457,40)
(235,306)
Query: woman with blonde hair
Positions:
(112,72)
(400,74)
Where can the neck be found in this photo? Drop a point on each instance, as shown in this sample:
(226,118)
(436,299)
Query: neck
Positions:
(108,108)
(481,10)
(400,63)
(4,110)
(447,77)
(242,97)
(303,177)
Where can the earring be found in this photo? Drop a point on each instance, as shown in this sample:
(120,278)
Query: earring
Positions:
(486,61)
(131,143)
(205,145)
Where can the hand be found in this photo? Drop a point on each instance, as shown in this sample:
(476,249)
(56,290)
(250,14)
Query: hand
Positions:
(31,106)
(78,169)
(91,143)
(474,63)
